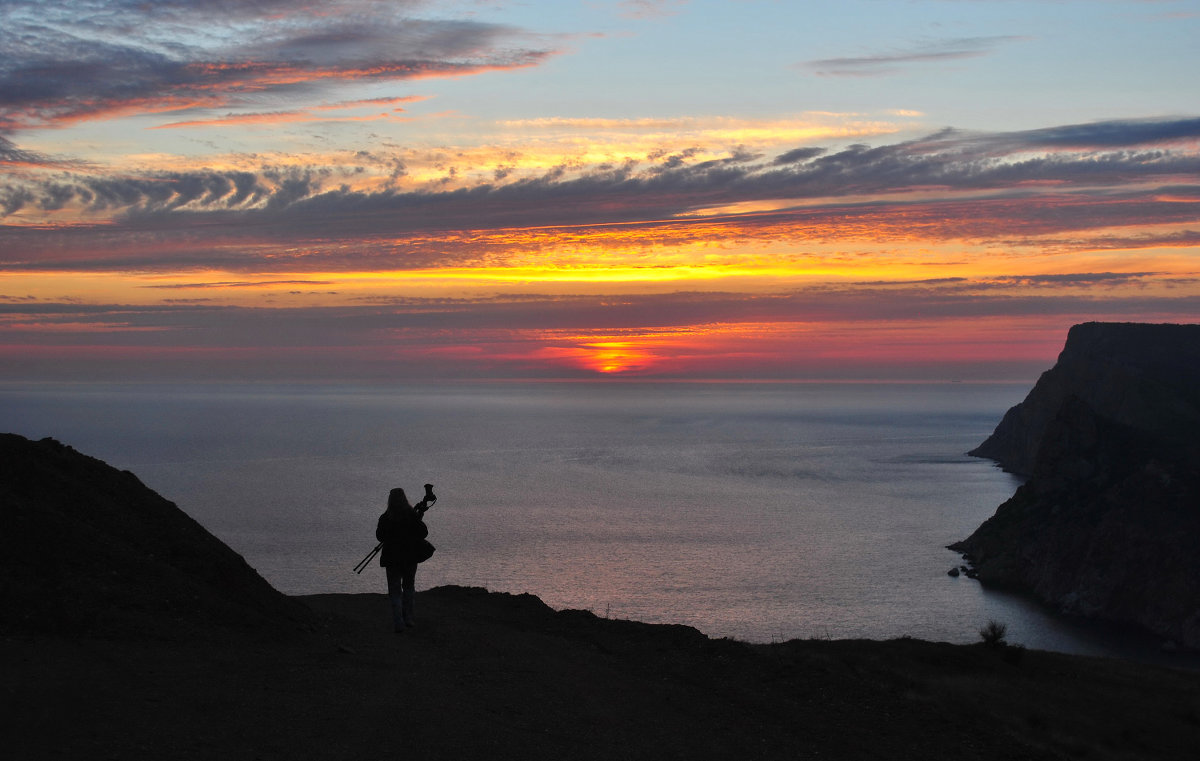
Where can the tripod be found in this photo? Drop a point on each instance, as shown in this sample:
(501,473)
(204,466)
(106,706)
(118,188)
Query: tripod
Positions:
(367,560)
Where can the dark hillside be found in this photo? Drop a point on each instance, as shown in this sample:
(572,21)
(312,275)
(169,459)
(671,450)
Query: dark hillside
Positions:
(88,549)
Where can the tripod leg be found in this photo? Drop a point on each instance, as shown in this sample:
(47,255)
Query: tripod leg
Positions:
(362,564)
(367,560)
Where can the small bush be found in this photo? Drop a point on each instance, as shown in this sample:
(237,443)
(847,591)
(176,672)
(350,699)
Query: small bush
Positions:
(993,634)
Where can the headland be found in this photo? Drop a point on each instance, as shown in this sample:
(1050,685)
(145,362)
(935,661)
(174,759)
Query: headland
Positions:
(1108,522)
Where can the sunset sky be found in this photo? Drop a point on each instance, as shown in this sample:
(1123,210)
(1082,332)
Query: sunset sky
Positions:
(364,190)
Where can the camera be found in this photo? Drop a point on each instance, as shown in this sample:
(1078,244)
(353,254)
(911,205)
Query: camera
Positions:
(426,501)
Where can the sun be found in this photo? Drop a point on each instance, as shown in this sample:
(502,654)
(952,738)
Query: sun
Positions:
(616,357)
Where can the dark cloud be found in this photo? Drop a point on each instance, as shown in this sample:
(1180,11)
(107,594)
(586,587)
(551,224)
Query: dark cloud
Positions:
(63,62)
(910,283)
(797,155)
(1106,135)
(164,191)
(13,199)
(1180,238)
(11,155)
(1116,133)
(1082,278)
(887,63)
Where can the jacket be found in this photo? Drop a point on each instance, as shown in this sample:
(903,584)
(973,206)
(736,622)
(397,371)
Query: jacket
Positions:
(401,531)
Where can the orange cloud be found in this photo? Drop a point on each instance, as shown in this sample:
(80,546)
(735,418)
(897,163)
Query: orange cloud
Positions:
(89,109)
(370,102)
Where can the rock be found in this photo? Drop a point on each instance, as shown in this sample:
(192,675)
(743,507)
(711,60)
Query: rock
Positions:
(1107,524)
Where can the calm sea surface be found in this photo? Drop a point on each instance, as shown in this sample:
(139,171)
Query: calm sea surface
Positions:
(757,511)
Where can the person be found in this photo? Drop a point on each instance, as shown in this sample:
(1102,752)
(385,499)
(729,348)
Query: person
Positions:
(400,530)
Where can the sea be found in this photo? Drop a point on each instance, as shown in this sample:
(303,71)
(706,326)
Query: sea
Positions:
(757,511)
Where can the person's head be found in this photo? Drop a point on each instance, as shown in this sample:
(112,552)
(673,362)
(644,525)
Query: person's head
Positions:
(397,499)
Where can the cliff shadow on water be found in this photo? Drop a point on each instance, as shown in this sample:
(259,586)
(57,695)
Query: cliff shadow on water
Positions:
(1107,525)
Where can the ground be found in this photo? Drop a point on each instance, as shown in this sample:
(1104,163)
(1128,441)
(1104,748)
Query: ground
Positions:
(503,676)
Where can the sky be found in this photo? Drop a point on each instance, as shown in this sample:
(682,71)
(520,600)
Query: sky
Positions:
(371,191)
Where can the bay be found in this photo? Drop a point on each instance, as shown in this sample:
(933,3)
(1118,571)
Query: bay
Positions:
(760,511)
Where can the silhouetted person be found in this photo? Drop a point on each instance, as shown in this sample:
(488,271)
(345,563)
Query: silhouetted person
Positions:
(401,531)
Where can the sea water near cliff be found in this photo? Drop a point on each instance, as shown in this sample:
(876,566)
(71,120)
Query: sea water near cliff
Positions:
(758,511)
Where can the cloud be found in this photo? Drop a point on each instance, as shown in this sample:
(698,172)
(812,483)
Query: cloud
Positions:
(273,117)
(12,156)
(239,284)
(1178,239)
(430,320)
(1079,278)
(879,64)
(65,62)
(160,191)
(873,327)
(304,115)
(1011,188)
(797,155)
(371,103)
(1112,134)
(644,9)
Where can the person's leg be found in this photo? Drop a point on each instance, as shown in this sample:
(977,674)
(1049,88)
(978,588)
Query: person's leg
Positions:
(396,590)
(410,593)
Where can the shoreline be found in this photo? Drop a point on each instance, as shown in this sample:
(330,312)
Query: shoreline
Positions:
(1110,640)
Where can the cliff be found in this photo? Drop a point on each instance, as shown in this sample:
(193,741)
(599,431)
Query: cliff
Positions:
(1144,376)
(1108,522)
(89,549)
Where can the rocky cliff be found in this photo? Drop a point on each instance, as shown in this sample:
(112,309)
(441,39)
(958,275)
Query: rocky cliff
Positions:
(1108,524)
(1145,376)
(89,549)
